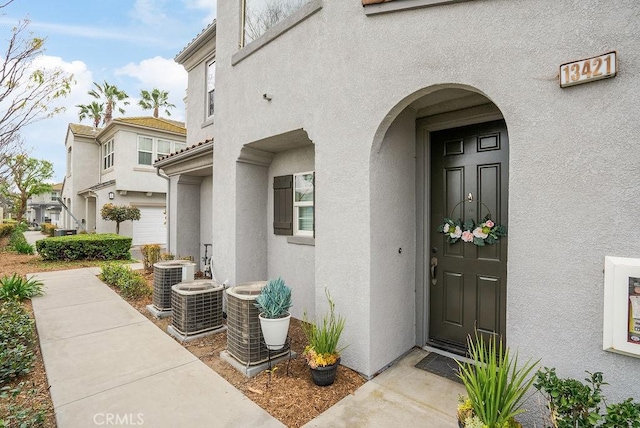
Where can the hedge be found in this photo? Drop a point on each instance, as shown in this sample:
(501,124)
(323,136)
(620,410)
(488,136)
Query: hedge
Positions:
(106,246)
(7,229)
(48,228)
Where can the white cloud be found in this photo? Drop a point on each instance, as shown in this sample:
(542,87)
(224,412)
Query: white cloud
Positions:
(209,6)
(164,74)
(149,12)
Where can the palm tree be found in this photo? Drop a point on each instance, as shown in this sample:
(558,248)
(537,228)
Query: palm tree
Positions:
(155,100)
(111,95)
(93,111)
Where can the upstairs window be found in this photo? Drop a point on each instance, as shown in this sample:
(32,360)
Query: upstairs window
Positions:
(107,155)
(54,196)
(145,150)
(150,149)
(211,87)
(260,15)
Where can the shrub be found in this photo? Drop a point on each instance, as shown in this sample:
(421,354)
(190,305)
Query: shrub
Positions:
(150,255)
(16,340)
(48,229)
(167,256)
(19,415)
(574,404)
(19,243)
(85,247)
(7,229)
(17,288)
(130,283)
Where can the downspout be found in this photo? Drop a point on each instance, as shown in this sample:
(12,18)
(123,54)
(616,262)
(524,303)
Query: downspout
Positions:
(168,208)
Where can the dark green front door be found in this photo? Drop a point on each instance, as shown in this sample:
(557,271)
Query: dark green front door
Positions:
(467,283)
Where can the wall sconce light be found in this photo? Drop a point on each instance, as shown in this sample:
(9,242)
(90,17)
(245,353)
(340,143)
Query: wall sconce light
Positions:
(112,195)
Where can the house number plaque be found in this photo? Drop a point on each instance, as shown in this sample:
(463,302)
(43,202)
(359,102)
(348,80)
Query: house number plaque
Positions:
(588,70)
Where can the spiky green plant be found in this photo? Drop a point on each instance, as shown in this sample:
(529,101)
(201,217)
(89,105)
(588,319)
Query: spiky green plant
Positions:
(495,383)
(15,287)
(274,300)
(323,337)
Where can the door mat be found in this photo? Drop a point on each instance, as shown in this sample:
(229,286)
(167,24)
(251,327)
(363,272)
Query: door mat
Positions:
(441,366)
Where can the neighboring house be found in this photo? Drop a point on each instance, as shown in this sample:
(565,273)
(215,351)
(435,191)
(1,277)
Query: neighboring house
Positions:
(45,208)
(114,165)
(346,133)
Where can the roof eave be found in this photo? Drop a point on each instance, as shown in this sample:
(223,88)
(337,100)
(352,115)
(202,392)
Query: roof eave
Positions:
(196,44)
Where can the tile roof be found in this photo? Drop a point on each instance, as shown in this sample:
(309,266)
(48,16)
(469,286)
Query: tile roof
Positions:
(200,144)
(78,129)
(154,122)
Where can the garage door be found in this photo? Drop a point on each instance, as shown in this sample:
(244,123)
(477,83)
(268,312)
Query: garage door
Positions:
(151,228)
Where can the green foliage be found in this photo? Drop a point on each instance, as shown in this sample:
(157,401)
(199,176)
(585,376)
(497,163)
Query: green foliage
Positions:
(28,176)
(495,383)
(7,229)
(18,242)
(16,340)
(156,99)
(130,283)
(17,415)
(105,246)
(323,336)
(110,94)
(48,228)
(15,287)
(93,111)
(150,255)
(574,404)
(119,213)
(274,300)
(622,415)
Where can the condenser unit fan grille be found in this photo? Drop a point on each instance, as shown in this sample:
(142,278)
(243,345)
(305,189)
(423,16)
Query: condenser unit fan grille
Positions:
(244,336)
(165,275)
(196,306)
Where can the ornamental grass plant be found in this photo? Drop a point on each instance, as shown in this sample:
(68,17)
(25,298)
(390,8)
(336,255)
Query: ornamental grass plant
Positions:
(323,337)
(15,287)
(496,384)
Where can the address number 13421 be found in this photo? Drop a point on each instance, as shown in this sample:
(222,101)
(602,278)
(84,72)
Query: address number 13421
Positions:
(588,70)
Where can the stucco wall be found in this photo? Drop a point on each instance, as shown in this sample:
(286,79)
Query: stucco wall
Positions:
(205,199)
(293,262)
(344,77)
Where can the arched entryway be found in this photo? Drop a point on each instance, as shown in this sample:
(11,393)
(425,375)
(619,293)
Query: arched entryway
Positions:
(461,172)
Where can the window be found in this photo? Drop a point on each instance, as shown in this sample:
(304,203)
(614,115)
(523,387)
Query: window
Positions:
(260,15)
(150,149)
(54,195)
(211,87)
(303,204)
(293,199)
(107,155)
(145,150)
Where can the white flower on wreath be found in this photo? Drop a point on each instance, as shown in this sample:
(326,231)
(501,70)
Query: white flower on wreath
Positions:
(456,233)
(479,233)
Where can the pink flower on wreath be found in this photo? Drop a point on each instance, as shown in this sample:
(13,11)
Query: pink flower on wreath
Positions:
(489,224)
(467,236)
(479,233)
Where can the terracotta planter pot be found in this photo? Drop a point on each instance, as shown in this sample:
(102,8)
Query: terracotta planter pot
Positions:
(325,376)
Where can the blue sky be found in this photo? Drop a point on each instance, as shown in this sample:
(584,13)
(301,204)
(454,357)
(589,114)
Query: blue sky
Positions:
(128,43)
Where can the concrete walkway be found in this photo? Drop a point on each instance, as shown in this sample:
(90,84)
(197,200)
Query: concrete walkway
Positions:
(107,363)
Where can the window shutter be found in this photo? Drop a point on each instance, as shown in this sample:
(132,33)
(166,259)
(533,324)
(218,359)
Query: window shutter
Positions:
(283,205)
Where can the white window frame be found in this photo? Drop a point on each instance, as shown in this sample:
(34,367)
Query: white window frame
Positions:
(174,147)
(107,155)
(298,204)
(210,84)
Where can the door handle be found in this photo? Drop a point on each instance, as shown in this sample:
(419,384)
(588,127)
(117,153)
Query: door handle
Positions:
(434,264)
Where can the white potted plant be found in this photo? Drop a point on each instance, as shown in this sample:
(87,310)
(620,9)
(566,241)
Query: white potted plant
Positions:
(273,303)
